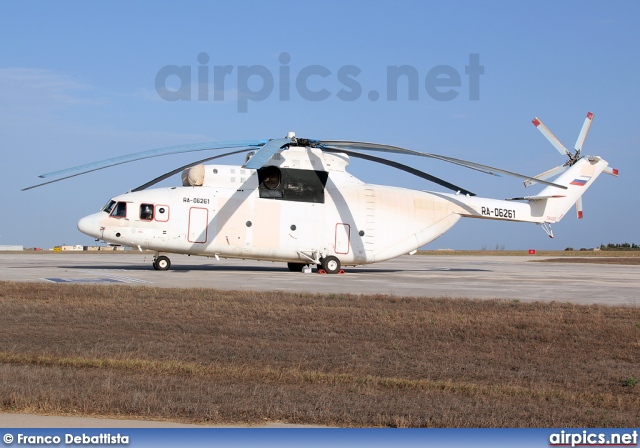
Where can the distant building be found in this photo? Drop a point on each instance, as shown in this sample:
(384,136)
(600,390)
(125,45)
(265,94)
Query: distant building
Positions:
(8,248)
(79,247)
(103,248)
(68,248)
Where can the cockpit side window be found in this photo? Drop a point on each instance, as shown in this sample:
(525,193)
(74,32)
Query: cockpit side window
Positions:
(120,210)
(146,212)
(109,206)
(272,177)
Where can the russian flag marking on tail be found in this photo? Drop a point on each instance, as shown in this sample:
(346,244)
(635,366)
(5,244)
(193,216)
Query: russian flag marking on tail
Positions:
(579,182)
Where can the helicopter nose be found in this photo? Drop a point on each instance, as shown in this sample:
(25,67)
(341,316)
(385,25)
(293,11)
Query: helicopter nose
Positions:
(89,225)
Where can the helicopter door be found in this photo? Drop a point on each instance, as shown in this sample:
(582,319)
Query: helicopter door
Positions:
(342,238)
(198,223)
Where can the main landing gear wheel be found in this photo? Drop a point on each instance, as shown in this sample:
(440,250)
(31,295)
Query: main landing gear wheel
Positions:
(161,263)
(296,267)
(330,264)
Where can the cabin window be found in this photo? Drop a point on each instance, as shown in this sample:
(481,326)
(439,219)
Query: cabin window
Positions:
(146,212)
(120,210)
(109,206)
(290,184)
(162,213)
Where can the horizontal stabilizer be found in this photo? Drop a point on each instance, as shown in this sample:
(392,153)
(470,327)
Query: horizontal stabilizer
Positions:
(535,198)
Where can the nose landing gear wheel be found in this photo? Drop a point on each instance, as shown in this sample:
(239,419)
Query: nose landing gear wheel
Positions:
(161,263)
(330,264)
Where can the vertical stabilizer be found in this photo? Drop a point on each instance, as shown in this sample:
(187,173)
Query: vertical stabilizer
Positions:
(578,178)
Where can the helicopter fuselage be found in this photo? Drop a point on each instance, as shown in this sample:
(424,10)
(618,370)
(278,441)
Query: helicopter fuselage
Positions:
(305,208)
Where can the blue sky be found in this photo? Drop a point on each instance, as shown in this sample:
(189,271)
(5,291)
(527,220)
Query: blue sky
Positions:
(78,84)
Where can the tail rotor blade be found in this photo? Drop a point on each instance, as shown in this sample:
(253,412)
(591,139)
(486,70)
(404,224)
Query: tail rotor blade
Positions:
(544,176)
(549,136)
(579,208)
(584,131)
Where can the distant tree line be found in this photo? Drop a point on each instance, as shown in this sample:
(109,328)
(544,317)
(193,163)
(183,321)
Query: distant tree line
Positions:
(623,246)
(610,246)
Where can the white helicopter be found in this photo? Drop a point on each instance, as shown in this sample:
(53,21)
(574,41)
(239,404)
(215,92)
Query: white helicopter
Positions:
(293,201)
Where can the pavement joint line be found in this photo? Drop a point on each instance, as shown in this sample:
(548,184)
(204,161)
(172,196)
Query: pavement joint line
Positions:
(115,276)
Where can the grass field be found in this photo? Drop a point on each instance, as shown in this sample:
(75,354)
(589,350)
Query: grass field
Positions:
(630,261)
(580,256)
(539,253)
(213,356)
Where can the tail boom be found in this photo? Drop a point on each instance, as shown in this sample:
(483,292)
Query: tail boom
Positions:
(549,206)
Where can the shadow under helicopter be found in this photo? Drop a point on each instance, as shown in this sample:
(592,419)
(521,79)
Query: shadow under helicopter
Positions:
(276,268)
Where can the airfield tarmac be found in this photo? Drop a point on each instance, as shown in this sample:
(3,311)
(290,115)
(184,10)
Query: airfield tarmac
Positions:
(475,277)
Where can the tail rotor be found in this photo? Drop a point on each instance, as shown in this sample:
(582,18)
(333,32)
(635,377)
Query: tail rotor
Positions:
(573,157)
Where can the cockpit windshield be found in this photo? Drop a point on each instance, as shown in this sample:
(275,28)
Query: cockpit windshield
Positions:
(109,206)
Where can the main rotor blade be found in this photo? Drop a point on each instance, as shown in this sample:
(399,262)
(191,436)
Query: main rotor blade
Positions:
(549,136)
(148,184)
(584,131)
(158,152)
(400,166)
(177,170)
(264,154)
(58,180)
(364,146)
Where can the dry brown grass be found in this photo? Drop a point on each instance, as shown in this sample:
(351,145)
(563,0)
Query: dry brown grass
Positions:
(242,357)
(539,253)
(631,261)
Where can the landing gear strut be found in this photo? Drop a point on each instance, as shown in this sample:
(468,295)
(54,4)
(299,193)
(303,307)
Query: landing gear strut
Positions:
(161,263)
